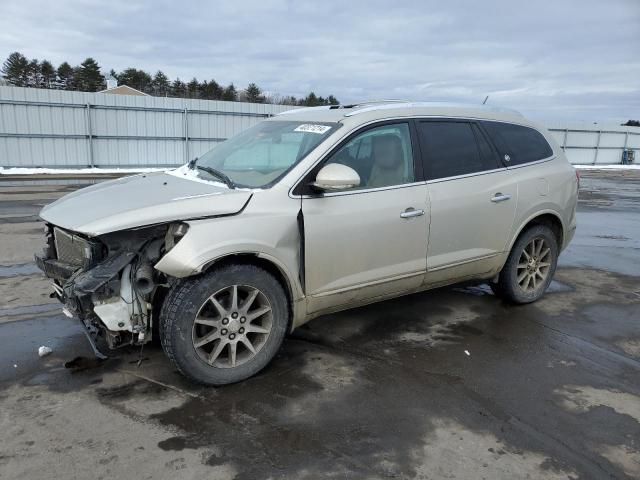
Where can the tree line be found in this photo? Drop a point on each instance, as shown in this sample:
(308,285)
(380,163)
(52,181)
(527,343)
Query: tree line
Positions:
(20,71)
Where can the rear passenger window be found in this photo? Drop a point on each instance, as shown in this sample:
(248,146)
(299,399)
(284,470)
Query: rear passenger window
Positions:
(521,144)
(451,149)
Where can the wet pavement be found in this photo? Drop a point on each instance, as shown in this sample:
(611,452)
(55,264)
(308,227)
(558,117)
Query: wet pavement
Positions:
(445,384)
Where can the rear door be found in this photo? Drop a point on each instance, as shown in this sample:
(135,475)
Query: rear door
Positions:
(472,196)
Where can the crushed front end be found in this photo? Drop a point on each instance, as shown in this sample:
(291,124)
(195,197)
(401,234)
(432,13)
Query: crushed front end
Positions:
(109,282)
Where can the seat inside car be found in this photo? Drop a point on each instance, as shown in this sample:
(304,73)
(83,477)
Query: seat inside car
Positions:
(388,165)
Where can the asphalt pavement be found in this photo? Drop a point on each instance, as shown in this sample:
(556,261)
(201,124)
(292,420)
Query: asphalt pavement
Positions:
(451,383)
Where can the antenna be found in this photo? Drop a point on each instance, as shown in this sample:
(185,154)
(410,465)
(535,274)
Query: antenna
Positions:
(485,99)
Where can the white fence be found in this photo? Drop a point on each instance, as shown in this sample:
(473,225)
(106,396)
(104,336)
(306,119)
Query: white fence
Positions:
(54,128)
(58,129)
(597,145)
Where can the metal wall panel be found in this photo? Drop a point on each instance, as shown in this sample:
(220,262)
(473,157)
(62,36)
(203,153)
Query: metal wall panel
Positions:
(591,144)
(54,128)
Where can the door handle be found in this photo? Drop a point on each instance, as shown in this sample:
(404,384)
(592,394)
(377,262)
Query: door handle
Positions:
(411,212)
(499,197)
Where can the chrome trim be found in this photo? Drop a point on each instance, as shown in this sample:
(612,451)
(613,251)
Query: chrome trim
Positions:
(536,162)
(457,264)
(410,117)
(499,197)
(355,192)
(411,212)
(466,175)
(373,283)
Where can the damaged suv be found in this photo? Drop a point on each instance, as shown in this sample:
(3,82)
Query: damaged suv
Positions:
(309,212)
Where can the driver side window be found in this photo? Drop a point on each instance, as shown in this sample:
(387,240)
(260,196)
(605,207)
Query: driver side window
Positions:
(382,156)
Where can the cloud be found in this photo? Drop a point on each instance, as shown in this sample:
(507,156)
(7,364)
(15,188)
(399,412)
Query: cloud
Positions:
(575,59)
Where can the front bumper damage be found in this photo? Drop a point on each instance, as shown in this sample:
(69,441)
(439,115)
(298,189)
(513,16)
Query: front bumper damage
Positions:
(108,282)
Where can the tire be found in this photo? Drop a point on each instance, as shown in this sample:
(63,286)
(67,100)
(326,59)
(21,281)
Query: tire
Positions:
(521,284)
(187,340)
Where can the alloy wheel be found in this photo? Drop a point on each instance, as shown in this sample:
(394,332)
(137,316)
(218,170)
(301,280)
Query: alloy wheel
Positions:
(232,325)
(534,265)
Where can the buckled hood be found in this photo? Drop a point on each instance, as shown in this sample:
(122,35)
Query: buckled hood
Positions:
(141,200)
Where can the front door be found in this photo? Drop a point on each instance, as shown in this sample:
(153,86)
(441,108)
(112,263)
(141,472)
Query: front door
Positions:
(369,241)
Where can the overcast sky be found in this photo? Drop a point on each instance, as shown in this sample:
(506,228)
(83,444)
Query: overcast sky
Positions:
(553,60)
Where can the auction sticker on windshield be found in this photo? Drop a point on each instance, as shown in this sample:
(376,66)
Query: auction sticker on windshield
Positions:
(311,128)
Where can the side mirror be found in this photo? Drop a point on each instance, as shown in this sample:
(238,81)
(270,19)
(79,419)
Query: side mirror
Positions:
(335,176)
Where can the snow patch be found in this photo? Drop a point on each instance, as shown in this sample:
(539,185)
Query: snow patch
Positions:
(76,171)
(634,166)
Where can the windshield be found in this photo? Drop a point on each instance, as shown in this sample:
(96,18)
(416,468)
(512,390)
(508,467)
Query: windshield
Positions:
(259,156)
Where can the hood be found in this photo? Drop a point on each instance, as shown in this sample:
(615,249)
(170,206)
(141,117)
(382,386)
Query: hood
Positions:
(141,200)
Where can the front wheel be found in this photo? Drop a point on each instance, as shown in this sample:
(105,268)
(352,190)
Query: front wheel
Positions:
(530,266)
(226,325)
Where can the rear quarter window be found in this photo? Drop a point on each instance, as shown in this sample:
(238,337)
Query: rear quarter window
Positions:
(521,144)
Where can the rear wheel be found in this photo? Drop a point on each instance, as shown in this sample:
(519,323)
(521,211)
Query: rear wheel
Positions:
(530,266)
(225,326)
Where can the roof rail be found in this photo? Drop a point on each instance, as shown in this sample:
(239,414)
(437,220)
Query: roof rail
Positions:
(373,105)
(305,109)
(369,102)
(387,106)
(336,107)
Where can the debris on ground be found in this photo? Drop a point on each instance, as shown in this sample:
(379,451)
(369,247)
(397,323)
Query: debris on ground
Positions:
(43,351)
(83,363)
(467,352)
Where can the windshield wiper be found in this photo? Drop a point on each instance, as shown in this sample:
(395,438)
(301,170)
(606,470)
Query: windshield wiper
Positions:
(213,172)
(217,173)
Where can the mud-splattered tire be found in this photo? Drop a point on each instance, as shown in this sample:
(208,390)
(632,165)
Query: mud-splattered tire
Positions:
(224,326)
(530,266)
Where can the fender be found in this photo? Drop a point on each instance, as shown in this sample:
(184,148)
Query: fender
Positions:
(536,213)
(274,239)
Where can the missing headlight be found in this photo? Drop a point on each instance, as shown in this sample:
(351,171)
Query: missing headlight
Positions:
(175,232)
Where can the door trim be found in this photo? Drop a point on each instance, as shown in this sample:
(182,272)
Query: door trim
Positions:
(468,260)
(372,283)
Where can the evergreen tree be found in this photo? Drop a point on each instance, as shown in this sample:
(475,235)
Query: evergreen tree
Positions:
(160,84)
(65,76)
(19,71)
(34,78)
(16,69)
(253,94)
(138,79)
(230,94)
(311,100)
(77,79)
(210,90)
(331,100)
(89,78)
(178,89)
(47,73)
(204,91)
(193,88)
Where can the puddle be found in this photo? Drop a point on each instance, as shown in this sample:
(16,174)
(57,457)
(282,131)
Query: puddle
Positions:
(8,271)
(32,309)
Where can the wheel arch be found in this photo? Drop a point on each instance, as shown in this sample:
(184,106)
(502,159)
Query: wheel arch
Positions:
(267,263)
(548,218)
